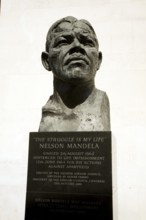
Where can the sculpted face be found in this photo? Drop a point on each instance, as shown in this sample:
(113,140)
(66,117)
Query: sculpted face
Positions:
(73,52)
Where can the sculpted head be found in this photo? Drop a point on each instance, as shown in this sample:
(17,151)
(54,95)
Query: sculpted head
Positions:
(72,50)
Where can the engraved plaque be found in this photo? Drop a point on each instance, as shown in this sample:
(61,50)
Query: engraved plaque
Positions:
(69,174)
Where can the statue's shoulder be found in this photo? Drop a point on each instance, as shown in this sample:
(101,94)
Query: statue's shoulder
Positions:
(53,105)
(100,95)
(100,92)
(49,103)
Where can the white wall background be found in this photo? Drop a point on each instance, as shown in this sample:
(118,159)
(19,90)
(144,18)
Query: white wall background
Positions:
(25,87)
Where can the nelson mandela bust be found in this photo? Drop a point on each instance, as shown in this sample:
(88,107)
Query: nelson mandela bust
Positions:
(72,54)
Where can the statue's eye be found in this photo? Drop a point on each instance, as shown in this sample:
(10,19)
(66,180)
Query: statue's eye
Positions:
(61,43)
(89,43)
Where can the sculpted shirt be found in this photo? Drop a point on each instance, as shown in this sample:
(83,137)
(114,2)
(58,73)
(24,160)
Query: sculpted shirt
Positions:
(91,115)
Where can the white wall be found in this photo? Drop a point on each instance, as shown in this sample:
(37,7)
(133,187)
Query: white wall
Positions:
(25,87)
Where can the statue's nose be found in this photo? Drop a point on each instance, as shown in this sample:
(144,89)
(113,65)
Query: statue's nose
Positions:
(77,47)
(76,43)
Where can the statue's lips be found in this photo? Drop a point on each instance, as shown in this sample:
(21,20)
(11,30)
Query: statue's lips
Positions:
(76,60)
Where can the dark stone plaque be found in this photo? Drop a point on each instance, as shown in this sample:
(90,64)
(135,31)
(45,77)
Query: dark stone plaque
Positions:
(69,174)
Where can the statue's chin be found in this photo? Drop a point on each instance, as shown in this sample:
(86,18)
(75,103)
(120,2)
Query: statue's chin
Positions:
(76,73)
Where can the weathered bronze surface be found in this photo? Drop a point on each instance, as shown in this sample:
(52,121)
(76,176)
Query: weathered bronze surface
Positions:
(72,54)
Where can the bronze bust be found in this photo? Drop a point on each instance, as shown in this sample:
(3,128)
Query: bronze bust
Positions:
(72,54)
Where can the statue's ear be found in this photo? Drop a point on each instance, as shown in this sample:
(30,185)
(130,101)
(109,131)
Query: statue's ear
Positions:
(45,60)
(99,60)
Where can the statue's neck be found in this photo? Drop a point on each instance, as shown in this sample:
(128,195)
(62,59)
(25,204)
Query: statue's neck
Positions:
(73,94)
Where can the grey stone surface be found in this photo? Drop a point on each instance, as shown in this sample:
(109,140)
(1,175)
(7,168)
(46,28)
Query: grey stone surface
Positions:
(72,54)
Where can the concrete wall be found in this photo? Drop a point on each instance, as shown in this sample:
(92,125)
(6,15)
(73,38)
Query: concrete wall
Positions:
(25,86)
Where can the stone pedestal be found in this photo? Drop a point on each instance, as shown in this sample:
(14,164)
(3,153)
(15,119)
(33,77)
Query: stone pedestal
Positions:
(69,175)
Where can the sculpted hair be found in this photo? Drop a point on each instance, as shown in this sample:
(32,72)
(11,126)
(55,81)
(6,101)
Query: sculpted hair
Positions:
(69,19)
